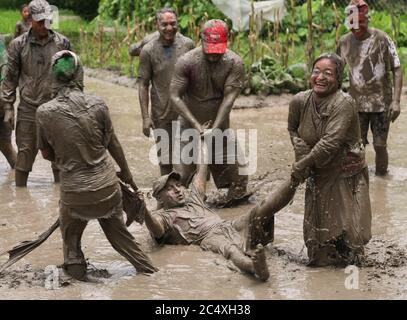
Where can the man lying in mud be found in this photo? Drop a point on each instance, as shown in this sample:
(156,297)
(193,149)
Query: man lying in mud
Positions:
(75,131)
(185,219)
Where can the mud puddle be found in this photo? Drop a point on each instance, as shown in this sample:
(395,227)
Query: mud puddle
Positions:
(188,272)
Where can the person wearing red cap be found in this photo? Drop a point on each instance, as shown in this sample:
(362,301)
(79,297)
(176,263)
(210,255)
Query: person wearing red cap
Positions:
(206,82)
(371,56)
(157,61)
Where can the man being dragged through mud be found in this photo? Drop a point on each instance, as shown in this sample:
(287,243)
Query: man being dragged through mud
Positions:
(75,131)
(376,80)
(206,83)
(185,219)
(157,61)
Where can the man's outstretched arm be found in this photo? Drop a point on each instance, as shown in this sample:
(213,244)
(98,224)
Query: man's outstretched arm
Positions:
(398,86)
(117,153)
(230,95)
(199,180)
(154,225)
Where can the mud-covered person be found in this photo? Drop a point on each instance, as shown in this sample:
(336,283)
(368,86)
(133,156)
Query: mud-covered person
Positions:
(184,219)
(28,68)
(323,124)
(157,61)
(24,24)
(5,129)
(376,79)
(206,82)
(75,131)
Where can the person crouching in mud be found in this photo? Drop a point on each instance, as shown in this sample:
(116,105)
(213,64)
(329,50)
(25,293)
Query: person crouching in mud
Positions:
(185,219)
(75,131)
(323,124)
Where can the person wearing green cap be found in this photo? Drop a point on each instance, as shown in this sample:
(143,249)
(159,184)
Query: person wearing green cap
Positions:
(28,68)
(75,131)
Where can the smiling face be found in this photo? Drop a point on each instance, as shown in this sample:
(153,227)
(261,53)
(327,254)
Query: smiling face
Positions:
(167,26)
(172,195)
(25,13)
(323,79)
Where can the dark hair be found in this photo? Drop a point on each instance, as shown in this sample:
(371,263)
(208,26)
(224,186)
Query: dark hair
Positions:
(337,60)
(164,10)
(22,7)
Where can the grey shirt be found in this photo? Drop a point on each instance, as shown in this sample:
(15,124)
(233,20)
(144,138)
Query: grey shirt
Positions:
(156,67)
(204,83)
(370,62)
(29,68)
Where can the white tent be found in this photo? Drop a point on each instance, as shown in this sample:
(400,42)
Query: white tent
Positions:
(239,11)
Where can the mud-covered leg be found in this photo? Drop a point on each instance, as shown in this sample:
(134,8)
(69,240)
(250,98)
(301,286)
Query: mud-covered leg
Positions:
(7,149)
(124,243)
(256,265)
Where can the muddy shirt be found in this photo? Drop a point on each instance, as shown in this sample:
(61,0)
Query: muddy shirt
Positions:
(78,128)
(205,82)
(332,130)
(28,67)
(21,27)
(156,66)
(189,224)
(370,64)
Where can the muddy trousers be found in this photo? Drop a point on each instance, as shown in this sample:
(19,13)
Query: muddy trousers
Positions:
(116,232)
(26,139)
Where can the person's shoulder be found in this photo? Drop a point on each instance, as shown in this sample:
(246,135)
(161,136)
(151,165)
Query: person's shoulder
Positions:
(191,57)
(94,100)
(47,108)
(184,39)
(301,96)
(379,34)
(19,42)
(345,38)
(60,38)
(232,57)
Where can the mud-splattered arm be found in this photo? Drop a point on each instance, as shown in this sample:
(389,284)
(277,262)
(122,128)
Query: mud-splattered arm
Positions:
(154,224)
(178,87)
(230,95)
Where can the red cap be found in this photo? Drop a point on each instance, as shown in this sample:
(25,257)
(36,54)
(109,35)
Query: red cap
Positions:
(215,36)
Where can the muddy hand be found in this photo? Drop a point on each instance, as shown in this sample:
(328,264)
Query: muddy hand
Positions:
(394,111)
(9,119)
(147,126)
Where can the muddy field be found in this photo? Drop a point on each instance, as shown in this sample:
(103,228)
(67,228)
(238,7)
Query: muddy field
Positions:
(188,272)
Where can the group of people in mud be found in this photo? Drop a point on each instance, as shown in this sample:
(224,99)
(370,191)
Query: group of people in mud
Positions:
(197,88)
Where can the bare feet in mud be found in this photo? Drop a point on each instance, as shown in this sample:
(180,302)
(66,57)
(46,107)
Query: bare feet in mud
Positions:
(260,263)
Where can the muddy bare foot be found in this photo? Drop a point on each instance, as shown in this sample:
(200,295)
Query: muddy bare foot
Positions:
(260,263)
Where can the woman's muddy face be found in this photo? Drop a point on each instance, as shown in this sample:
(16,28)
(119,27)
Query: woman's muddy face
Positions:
(323,78)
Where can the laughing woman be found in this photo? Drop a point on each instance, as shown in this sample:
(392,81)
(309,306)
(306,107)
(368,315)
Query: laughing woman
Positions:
(323,124)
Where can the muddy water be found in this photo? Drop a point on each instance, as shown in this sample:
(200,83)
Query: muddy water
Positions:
(188,272)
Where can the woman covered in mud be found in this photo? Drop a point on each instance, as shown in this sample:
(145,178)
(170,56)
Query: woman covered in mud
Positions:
(324,130)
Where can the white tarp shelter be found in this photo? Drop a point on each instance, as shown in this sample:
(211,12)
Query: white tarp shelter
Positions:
(239,11)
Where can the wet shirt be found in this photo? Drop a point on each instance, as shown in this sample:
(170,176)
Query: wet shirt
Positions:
(156,66)
(370,62)
(22,27)
(78,128)
(332,130)
(189,224)
(28,67)
(205,82)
